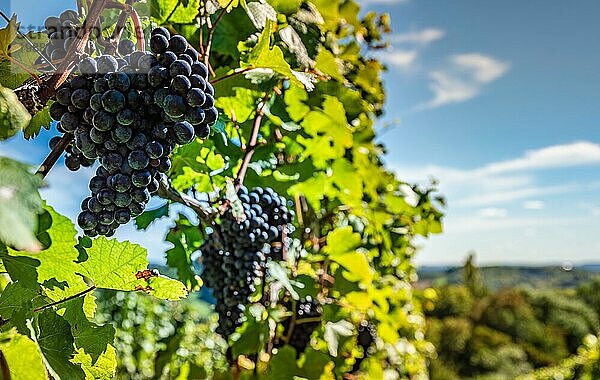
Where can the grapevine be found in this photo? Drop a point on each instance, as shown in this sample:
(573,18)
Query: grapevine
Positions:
(253,123)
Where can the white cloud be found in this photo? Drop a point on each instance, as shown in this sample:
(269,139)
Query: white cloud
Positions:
(402,59)
(556,156)
(534,205)
(492,213)
(510,180)
(463,79)
(420,37)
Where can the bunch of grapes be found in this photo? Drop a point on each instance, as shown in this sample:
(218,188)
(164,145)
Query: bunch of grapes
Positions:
(307,319)
(62,33)
(111,110)
(367,333)
(180,80)
(235,259)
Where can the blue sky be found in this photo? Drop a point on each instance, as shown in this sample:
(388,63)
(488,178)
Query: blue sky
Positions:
(497,100)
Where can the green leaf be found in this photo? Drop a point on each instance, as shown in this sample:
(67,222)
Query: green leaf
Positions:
(327,64)
(174,11)
(186,239)
(262,56)
(333,332)
(88,336)
(15,305)
(104,368)
(166,288)
(55,267)
(283,365)
(148,217)
(22,356)
(341,248)
(13,114)
(115,265)
(8,34)
(40,120)
(20,204)
(53,335)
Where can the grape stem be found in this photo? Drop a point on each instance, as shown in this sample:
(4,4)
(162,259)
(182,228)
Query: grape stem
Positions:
(206,214)
(211,31)
(80,294)
(252,143)
(231,75)
(48,89)
(66,66)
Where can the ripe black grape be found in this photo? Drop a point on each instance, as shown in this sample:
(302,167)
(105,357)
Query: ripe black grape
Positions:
(235,263)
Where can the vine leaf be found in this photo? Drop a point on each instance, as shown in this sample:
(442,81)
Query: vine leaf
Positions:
(327,64)
(53,335)
(341,247)
(283,365)
(13,114)
(20,203)
(15,305)
(93,339)
(54,267)
(262,56)
(144,220)
(40,120)
(104,368)
(113,265)
(22,356)
(8,35)
(186,239)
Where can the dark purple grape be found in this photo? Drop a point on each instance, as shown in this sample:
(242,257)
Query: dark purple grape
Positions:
(159,44)
(138,160)
(87,220)
(178,44)
(184,132)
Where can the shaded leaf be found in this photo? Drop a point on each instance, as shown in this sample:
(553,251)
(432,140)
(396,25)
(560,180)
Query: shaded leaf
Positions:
(149,216)
(40,120)
(53,335)
(20,204)
(22,356)
(13,114)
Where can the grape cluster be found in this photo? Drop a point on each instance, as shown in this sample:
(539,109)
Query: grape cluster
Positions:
(62,33)
(307,311)
(111,110)
(180,80)
(235,259)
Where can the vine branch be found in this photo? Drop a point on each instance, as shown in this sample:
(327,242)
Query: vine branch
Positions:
(54,155)
(206,214)
(80,294)
(252,143)
(231,75)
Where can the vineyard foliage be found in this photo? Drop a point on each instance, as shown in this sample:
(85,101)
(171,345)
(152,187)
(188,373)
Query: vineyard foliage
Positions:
(299,96)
